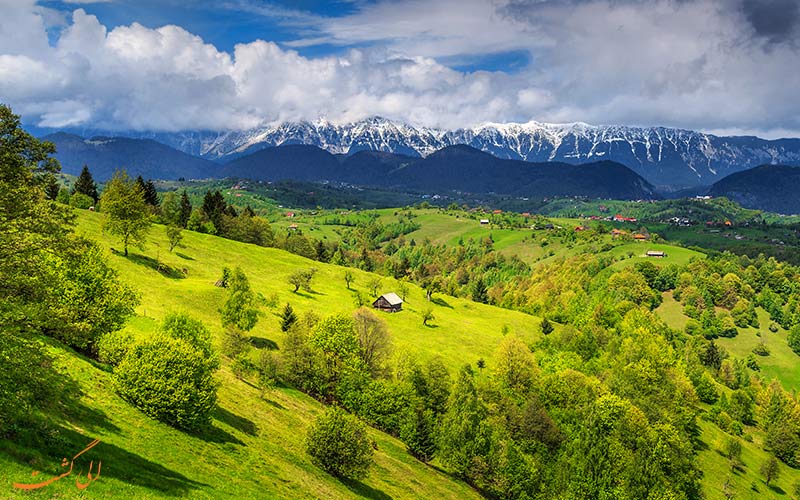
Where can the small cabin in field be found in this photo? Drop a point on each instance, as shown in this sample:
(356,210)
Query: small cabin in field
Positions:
(656,253)
(484,221)
(389,302)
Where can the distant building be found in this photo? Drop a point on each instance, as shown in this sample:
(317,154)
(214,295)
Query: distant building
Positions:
(289,214)
(389,302)
(497,211)
(484,221)
(640,236)
(620,218)
(656,253)
(292,227)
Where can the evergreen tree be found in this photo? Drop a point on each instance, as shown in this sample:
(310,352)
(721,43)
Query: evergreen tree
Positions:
(51,187)
(288,318)
(479,291)
(150,194)
(127,215)
(546,326)
(419,433)
(248,212)
(185,210)
(214,207)
(85,184)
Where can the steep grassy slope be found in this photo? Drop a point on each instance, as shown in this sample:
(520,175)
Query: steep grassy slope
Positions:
(255,448)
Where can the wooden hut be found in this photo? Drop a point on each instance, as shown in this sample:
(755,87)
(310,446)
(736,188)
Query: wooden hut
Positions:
(388,302)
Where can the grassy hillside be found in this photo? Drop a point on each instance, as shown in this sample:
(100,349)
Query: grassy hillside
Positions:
(782,363)
(255,448)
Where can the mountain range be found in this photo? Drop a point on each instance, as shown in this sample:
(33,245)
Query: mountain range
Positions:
(453,168)
(669,158)
(367,154)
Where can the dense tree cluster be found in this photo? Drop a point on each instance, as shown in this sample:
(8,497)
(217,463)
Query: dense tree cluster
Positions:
(51,281)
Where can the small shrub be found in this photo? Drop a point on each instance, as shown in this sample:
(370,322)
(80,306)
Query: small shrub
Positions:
(761,349)
(80,200)
(337,442)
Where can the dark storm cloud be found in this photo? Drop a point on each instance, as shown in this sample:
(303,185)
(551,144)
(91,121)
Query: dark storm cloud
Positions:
(775,20)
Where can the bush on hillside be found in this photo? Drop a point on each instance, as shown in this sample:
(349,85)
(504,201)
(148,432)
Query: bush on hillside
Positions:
(170,380)
(338,443)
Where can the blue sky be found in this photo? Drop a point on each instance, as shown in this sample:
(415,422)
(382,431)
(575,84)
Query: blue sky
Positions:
(724,66)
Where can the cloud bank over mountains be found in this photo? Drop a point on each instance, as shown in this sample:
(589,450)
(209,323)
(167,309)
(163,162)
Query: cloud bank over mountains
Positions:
(728,66)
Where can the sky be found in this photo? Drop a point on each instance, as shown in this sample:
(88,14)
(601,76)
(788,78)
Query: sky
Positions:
(720,66)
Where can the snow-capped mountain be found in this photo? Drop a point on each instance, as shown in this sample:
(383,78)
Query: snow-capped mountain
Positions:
(666,157)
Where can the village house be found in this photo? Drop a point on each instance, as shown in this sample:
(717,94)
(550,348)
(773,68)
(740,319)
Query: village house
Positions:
(388,302)
(484,221)
(656,253)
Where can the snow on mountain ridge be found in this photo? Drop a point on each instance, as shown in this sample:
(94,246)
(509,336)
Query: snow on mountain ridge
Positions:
(664,156)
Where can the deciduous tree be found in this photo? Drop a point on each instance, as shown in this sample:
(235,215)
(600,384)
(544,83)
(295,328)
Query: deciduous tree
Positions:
(127,214)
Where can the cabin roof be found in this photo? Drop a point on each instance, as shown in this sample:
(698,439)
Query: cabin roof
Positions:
(392,298)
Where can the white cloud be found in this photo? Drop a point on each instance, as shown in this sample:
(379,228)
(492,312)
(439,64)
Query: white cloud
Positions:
(687,63)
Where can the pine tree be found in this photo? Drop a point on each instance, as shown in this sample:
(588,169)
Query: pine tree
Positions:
(214,207)
(150,193)
(546,326)
(51,187)
(86,185)
(419,435)
(288,318)
(479,292)
(185,210)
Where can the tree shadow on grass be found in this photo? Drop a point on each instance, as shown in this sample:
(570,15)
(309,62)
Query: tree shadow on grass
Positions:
(143,260)
(184,256)
(777,489)
(441,302)
(116,462)
(262,343)
(304,295)
(431,326)
(213,434)
(241,424)
(364,490)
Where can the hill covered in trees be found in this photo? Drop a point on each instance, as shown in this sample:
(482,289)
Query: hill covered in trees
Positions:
(772,188)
